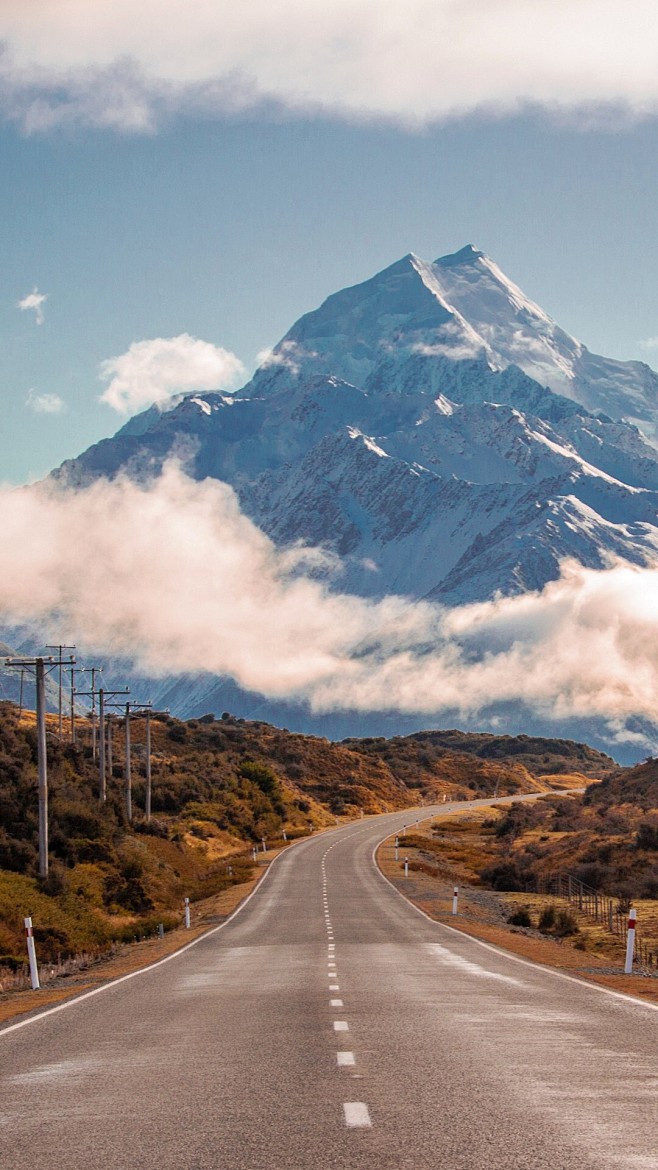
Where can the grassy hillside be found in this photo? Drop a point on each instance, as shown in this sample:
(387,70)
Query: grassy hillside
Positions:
(219,787)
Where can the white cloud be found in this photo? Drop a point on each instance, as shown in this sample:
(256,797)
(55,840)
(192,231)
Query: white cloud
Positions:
(34,301)
(650,343)
(288,354)
(44,403)
(154,371)
(221,598)
(413,61)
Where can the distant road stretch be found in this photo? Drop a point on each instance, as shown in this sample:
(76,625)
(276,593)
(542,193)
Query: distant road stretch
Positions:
(331,1025)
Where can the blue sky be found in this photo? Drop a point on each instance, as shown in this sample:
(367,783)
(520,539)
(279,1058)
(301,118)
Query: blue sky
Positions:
(226,214)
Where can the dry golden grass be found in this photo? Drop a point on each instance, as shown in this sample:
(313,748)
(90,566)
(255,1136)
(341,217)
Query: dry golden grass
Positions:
(133,956)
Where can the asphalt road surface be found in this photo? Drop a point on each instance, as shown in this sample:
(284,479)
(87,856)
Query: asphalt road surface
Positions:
(330,1024)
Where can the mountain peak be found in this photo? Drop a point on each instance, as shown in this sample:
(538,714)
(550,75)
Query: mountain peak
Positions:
(466,255)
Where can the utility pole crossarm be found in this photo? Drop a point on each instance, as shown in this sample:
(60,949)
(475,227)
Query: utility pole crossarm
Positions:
(59,647)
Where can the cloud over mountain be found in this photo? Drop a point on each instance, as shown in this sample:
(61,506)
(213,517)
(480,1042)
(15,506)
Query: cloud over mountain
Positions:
(152,372)
(173,576)
(411,61)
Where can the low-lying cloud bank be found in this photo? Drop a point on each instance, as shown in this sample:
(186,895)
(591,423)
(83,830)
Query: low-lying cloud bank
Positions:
(175,577)
(410,61)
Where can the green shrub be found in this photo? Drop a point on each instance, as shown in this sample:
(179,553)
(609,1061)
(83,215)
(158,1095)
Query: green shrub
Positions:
(520,917)
(547,919)
(560,921)
(504,875)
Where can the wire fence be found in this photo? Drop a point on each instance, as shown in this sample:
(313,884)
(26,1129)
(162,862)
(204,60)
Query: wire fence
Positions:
(610,913)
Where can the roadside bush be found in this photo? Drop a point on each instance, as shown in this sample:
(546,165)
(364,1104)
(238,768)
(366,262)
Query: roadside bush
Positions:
(520,917)
(559,921)
(503,876)
(547,919)
(647,836)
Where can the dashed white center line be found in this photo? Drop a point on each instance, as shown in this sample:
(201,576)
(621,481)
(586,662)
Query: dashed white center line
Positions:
(356,1115)
(334,987)
(344,1059)
(336,1003)
(341,1026)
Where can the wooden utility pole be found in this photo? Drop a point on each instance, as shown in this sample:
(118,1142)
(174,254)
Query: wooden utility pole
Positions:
(146,710)
(38,665)
(42,757)
(128,770)
(147,799)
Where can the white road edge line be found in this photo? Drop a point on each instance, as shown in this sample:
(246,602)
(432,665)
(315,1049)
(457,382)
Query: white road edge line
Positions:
(582,983)
(69,1003)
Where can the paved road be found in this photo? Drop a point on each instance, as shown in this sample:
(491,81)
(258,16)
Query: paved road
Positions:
(329,1024)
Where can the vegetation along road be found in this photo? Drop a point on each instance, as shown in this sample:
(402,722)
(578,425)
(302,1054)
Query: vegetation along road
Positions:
(330,1024)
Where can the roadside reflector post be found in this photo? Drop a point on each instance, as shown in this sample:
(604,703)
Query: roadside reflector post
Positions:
(630,941)
(187,913)
(161,930)
(32,955)
(455,899)
(254,852)
(404,830)
(406,867)
(262,841)
(397,846)
(285,835)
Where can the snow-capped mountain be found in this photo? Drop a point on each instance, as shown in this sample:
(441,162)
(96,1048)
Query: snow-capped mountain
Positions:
(434,428)
(461,306)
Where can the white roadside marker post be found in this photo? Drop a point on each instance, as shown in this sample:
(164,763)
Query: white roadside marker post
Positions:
(630,941)
(455,899)
(406,867)
(262,841)
(187,913)
(253,853)
(397,846)
(32,955)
